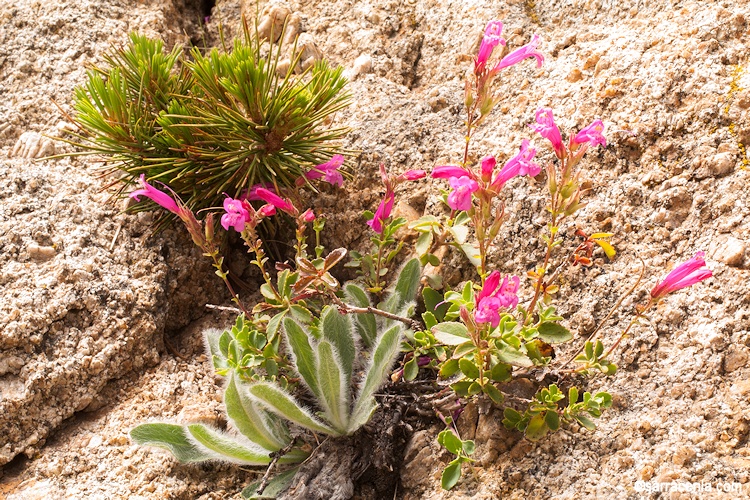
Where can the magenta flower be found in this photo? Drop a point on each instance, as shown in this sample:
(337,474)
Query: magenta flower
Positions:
(490,40)
(328,170)
(686,274)
(252,194)
(460,197)
(518,55)
(448,171)
(545,125)
(488,166)
(276,201)
(237,214)
(165,200)
(593,134)
(308,215)
(267,210)
(159,197)
(495,296)
(520,164)
(412,175)
(382,213)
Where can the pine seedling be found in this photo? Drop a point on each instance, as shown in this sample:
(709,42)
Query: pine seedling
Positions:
(213,126)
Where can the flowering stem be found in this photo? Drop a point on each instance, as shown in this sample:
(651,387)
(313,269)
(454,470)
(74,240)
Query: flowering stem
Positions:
(598,328)
(543,270)
(379,264)
(255,246)
(347,308)
(224,275)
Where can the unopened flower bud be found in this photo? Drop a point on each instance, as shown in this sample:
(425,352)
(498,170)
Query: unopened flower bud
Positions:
(308,215)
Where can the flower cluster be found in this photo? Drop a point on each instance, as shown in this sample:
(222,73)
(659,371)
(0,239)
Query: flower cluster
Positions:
(495,296)
(591,135)
(466,182)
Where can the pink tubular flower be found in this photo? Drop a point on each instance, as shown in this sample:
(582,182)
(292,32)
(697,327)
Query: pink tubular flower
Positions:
(460,197)
(165,200)
(412,175)
(382,213)
(488,166)
(237,214)
(159,197)
(252,194)
(545,125)
(448,171)
(495,296)
(490,40)
(686,274)
(593,134)
(518,55)
(328,170)
(276,201)
(520,164)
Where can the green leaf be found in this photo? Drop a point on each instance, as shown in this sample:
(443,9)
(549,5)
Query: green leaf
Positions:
(472,253)
(464,349)
(462,387)
(384,352)
(278,401)
(274,323)
(268,292)
(429,320)
(495,395)
(451,475)
(460,233)
(424,241)
(338,330)
(304,357)
(469,447)
(501,372)
(212,336)
(433,301)
(173,438)
(584,421)
(474,388)
(277,485)
(411,369)
(334,387)
(364,323)
(252,422)
(449,368)
(451,333)
(537,427)
(554,333)
(552,419)
(448,439)
(228,446)
(300,314)
(468,368)
(432,259)
(572,395)
(406,287)
(514,357)
(512,416)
